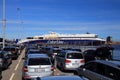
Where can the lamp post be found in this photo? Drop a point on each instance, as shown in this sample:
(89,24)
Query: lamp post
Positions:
(18,9)
(4,23)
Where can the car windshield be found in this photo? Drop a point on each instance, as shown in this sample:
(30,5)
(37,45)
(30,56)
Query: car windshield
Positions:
(39,61)
(74,56)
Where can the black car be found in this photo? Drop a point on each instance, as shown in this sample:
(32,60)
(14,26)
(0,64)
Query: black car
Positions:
(13,50)
(5,59)
(89,55)
(100,70)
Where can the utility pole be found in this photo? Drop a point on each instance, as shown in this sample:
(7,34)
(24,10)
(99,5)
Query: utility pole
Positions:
(4,23)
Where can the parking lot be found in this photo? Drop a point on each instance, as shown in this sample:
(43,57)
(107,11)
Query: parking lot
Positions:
(14,72)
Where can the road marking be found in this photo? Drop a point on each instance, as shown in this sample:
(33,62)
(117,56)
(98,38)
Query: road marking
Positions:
(12,76)
(18,62)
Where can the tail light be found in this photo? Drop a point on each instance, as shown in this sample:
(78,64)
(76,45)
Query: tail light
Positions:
(82,61)
(25,77)
(25,69)
(52,68)
(67,61)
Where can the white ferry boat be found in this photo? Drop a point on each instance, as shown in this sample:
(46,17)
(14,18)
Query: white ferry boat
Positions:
(69,39)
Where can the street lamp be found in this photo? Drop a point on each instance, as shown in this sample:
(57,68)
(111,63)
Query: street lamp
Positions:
(4,23)
(18,9)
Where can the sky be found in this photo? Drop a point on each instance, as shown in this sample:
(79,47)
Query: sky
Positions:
(38,17)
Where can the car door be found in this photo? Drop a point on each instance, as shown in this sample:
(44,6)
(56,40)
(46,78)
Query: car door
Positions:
(112,72)
(94,71)
(60,59)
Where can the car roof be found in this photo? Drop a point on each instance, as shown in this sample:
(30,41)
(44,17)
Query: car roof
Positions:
(115,64)
(37,55)
(10,46)
(73,77)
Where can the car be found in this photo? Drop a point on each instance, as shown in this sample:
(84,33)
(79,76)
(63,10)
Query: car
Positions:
(29,46)
(100,70)
(13,50)
(54,52)
(5,59)
(32,51)
(89,55)
(69,60)
(60,78)
(37,65)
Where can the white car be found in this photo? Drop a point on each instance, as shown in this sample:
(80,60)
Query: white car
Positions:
(69,60)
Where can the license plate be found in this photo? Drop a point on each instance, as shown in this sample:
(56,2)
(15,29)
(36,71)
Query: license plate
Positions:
(75,63)
(39,70)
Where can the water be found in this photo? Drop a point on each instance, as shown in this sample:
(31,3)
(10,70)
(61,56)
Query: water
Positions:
(116,52)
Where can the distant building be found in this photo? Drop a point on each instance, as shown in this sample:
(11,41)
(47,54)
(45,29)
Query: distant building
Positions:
(109,40)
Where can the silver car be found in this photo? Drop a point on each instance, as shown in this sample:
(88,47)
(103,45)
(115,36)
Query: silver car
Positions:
(69,60)
(37,65)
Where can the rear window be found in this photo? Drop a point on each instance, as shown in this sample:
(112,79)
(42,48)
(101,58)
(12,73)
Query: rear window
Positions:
(56,51)
(34,52)
(39,61)
(74,56)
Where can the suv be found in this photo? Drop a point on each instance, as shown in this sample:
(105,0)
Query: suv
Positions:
(37,65)
(100,70)
(68,60)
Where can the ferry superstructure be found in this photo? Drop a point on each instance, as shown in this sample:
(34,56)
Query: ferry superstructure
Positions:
(56,38)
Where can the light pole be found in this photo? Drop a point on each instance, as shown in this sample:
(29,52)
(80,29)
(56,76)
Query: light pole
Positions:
(18,9)
(4,23)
